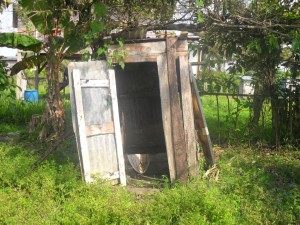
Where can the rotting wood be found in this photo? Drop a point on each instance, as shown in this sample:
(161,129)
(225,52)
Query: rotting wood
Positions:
(166,112)
(188,116)
(179,143)
(203,134)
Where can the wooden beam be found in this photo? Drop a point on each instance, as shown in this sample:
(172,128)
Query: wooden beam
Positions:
(117,128)
(188,115)
(179,144)
(140,52)
(166,112)
(203,134)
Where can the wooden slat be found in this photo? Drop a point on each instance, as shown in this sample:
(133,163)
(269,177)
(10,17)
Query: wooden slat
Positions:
(141,52)
(203,134)
(188,115)
(106,128)
(179,143)
(94,83)
(182,46)
(166,112)
(113,91)
(81,126)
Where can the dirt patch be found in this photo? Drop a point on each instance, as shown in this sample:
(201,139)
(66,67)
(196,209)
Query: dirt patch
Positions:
(154,177)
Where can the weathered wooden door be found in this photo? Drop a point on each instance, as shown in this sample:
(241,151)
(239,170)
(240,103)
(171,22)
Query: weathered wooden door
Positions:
(95,119)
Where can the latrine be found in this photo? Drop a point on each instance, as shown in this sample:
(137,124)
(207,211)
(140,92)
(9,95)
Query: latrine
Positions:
(150,106)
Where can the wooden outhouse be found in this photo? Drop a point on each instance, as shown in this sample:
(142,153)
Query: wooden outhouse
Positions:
(150,106)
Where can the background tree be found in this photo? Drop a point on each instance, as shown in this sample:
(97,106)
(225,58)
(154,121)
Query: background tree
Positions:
(64,36)
(70,26)
(254,34)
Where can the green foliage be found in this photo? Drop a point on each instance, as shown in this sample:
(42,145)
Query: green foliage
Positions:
(4,4)
(217,81)
(7,84)
(20,41)
(234,126)
(296,43)
(18,112)
(27,63)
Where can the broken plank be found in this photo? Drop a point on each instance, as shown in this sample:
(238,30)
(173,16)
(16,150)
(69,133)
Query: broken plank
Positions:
(203,134)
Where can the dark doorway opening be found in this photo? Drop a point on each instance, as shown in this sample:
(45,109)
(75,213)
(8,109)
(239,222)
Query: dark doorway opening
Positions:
(141,117)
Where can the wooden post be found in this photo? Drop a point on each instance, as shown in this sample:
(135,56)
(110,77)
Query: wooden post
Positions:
(179,144)
(36,77)
(188,116)
(20,82)
(166,112)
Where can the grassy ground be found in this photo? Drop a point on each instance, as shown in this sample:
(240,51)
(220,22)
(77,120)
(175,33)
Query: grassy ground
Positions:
(246,187)
(234,117)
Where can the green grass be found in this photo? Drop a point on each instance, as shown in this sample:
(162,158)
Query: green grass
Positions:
(251,188)
(246,187)
(233,127)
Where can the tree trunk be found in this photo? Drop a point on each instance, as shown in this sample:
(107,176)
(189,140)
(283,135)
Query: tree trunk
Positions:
(54,117)
(275,121)
(257,106)
(271,92)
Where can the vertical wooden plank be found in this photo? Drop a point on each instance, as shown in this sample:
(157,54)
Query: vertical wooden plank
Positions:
(188,115)
(116,119)
(166,112)
(81,126)
(179,143)
(203,134)
(73,110)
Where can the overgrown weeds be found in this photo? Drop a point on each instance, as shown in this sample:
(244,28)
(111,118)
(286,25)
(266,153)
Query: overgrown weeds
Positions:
(245,187)
(252,188)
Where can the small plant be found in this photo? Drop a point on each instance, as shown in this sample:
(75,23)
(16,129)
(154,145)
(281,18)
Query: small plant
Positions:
(7,84)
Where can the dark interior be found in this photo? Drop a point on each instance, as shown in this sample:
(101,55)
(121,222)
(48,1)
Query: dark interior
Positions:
(140,108)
